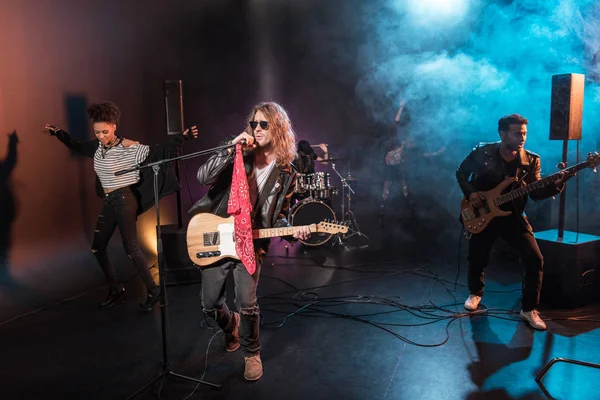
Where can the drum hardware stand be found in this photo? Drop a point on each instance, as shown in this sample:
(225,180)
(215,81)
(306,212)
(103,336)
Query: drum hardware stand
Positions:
(347,216)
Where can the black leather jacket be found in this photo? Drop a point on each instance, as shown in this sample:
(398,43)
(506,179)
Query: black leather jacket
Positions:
(483,170)
(217,173)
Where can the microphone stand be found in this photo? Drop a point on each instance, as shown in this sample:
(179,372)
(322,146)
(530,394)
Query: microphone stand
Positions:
(353,224)
(166,365)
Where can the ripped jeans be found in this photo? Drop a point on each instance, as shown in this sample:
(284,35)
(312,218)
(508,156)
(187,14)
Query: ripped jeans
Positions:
(214,296)
(119,209)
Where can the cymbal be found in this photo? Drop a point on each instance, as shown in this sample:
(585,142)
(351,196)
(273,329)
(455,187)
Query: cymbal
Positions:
(330,160)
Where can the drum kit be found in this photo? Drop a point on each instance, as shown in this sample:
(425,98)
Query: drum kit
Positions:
(317,206)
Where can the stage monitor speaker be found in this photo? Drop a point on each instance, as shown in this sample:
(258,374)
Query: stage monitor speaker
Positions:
(174,106)
(570,277)
(179,268)
(566,109)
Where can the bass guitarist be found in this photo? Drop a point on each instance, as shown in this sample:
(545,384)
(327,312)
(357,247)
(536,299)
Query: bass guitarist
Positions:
(484,168)
(269,149)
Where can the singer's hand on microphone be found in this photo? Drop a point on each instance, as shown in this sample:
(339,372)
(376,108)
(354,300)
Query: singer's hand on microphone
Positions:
(246,139)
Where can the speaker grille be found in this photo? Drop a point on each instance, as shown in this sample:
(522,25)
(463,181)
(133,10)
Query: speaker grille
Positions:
(566,108)
(174,106)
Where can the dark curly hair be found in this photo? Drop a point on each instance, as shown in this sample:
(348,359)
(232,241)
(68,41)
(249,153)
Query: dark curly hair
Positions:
(104,112)
(506,121)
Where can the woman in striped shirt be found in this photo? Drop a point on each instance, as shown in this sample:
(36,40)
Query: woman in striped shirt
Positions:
(121,195)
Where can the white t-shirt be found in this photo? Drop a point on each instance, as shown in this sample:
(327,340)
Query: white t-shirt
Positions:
(257,184)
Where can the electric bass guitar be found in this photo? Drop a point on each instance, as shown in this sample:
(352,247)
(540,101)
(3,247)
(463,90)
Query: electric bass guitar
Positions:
(476,219)
(211,238)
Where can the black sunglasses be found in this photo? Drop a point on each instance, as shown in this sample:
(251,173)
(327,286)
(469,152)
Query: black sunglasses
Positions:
(263,124)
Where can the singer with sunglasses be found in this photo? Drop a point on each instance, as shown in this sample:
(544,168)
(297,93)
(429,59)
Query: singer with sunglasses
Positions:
(268,151)
(124,197)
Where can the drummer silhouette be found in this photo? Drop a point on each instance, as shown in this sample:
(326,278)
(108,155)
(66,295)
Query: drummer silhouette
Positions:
(305,162)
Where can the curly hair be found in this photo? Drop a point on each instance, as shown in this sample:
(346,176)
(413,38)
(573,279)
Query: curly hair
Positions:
(283,136)
(507,120)
(104,112)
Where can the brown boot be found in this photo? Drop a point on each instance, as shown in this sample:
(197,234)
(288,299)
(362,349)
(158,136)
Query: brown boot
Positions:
(254,368)
(232,340)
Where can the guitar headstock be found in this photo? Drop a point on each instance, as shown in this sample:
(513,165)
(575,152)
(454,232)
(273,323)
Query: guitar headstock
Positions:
(329,226)
(593,160)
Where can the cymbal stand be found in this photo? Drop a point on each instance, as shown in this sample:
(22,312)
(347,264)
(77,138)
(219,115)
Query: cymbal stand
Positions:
(348,216)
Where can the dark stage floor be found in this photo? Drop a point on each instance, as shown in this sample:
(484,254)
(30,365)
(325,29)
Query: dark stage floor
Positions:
(353,324)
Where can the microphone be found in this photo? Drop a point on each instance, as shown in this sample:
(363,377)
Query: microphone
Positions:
(124,171)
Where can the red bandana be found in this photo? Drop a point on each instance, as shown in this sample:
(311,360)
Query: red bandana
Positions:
(240,207)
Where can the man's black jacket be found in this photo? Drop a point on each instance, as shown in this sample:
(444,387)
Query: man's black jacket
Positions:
(483,170)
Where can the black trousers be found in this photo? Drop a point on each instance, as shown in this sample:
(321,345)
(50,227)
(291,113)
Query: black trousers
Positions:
(214,296)
(120,210)
(515,232)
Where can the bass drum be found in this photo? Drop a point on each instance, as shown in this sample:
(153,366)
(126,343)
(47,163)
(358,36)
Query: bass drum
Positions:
(308,212)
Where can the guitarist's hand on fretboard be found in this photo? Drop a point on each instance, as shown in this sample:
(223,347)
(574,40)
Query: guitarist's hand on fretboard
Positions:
(303,233)
(564,177)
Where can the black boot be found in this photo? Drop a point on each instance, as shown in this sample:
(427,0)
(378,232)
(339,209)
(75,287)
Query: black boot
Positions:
(151,299)
(113,295)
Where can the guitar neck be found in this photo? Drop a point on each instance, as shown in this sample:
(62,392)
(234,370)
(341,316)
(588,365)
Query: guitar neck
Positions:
(522,191)
(275,232)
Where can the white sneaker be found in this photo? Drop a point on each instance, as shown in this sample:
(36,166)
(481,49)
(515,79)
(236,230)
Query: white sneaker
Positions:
(533,319)
(472,303)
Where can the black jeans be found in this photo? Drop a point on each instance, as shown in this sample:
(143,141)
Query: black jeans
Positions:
(120,210)
(214,296)
(513,230)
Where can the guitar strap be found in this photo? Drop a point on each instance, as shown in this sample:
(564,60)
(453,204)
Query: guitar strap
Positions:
(523,173)
(265,191)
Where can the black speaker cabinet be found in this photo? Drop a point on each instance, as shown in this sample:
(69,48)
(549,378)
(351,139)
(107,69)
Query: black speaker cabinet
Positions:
(179,267)
(566,109)
(570,277)
(174,107)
